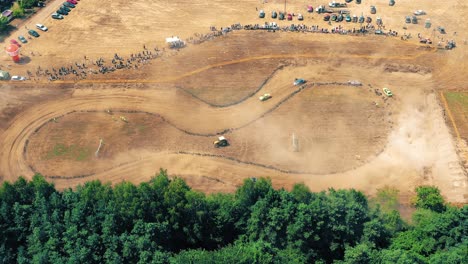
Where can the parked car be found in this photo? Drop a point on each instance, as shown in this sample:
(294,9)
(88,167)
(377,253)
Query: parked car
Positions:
(274,14)
(281,16)
(348,18)
(13,41)
(68,4)
(57,16)
(42,27)
(62,12)
(414,20)
(408,19)
(40,4)
(379,21)
(22,39)
(361,19)
(261,14)
(72,2)
(18,78)
(33,33)
(289,17)
(65,8)
(300,17)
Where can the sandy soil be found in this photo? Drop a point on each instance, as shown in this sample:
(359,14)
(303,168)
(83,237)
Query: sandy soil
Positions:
(183,99)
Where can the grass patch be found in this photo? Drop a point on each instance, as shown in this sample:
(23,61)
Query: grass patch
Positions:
(458,105)
(458,99)
(72,152)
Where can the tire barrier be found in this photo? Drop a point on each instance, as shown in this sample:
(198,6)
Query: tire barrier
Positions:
(241,100)
(227,130)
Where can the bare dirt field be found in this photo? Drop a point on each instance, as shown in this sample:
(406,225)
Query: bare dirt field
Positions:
(178,103)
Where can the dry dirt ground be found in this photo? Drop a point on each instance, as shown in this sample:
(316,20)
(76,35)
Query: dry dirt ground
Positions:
(177,104)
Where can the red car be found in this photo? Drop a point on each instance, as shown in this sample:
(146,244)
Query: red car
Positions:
(12,41)
(72,2)
(289,17)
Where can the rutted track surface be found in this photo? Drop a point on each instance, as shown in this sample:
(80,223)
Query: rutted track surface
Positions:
(26,123)
(187,117)
(277,104)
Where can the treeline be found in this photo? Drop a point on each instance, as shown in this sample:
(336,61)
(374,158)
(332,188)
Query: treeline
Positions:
(19,9)
(164,221)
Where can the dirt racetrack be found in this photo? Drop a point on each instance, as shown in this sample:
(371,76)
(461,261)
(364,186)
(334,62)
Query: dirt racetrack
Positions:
(177,104)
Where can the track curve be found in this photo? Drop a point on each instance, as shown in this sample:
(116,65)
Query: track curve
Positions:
(192,111)
(224,131)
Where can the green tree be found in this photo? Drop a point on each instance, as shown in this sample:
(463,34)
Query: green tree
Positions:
(360,254)
(17,10)
(126,204)
(4,23)
(375,233)
(428,197)
(301,193)
(400,257)
(348,211)
(27,3)
(434,231)
(393,222)
(4,4)
(455,255)
(247,195)
(269,218)
(242,253)
(307,230)
(152,197)
(164,221)
(226,212)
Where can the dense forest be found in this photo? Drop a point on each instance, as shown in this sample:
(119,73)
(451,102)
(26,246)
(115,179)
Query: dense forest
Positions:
(164,221)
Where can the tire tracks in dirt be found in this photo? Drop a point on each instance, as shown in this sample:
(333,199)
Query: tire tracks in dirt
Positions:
(225,131)
(12,163)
